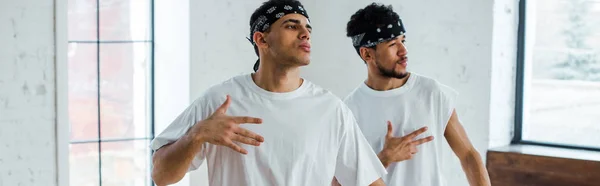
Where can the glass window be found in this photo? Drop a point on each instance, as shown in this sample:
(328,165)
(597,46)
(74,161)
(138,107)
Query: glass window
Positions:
(110,99)
(560,73)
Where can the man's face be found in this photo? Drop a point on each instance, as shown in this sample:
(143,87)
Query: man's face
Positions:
(391,58)
(289,40)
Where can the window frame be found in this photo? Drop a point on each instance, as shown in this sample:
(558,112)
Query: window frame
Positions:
(63,92)
(520,89)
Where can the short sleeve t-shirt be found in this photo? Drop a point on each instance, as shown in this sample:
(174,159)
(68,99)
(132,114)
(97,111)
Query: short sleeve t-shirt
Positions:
(420,102)
(310,137)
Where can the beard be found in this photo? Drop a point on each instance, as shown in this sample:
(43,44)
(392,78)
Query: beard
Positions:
(391,73)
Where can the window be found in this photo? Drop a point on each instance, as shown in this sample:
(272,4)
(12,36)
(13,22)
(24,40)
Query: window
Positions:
(110,60)
(558,74)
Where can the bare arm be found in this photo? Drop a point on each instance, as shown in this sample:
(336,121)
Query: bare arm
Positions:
(172,161)
(470,159)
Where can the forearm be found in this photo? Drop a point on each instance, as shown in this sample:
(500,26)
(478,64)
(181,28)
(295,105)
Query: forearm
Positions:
(172,161)
(475,170)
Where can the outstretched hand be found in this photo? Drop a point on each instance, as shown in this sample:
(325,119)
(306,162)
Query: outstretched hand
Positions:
(221,129)
(398,149)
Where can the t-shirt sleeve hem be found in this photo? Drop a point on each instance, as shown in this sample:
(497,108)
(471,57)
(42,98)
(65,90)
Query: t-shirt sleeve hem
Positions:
(373,177)
(448,116)
(157,143)
(197,161)
(450,97)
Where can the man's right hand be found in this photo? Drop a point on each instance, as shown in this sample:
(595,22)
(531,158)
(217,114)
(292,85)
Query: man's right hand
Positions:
(221,129)
(398,149)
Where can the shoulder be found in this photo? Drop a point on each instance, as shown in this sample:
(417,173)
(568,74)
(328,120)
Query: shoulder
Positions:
(352,96)
(326,96)
(319,92)
(217,93)
(227,86)
(433,86)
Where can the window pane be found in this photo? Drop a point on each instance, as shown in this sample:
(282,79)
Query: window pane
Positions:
(562,100)
(83,91)
(125,163)
(124,90)
(125,20)
(84,167)
(82,20)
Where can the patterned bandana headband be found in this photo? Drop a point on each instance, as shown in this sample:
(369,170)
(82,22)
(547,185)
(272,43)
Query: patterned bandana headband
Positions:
(270,16)
(375,36)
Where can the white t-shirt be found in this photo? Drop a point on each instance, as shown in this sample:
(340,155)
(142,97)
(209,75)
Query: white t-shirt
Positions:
(310,137)
(420,102)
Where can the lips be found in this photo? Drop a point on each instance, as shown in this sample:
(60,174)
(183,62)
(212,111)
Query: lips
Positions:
(403,61)
(305,47)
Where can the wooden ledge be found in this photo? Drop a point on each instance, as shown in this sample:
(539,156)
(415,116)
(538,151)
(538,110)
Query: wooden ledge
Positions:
(531,165)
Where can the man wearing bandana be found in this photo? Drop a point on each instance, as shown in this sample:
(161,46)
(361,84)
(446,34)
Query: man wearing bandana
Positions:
(405,116)
(270,127)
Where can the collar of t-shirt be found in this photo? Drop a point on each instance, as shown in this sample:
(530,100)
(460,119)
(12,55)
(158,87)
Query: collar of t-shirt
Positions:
(393,92)
(275,95)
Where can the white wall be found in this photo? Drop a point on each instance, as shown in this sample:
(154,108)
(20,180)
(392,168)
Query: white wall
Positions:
(504,56)
(171,63)
(219,49)
(28,92)
(469,45)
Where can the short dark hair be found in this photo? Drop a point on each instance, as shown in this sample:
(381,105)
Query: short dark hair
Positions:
(264,7)
(373,15)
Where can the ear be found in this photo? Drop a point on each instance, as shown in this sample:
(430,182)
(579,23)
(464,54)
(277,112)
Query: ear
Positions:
(367,54)
(260,39)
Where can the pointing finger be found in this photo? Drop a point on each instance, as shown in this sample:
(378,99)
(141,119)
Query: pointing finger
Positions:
(423,140)
(249,134)
(415,133)
(246,119)
(235,147)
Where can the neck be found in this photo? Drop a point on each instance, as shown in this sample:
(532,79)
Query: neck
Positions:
(277,78)
(380,83)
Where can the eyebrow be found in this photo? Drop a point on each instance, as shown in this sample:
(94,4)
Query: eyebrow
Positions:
(295,21)
(403,38)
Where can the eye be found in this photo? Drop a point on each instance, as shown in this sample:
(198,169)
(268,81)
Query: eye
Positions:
(403,41)
(391,45)
(291,26)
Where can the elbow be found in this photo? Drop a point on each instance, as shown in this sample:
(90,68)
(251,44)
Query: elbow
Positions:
(157,179)
(163,171)
(158,175)
(161,179)
(470,155)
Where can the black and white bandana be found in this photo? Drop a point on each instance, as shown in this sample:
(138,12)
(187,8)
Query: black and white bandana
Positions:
(270,16)
(378,35)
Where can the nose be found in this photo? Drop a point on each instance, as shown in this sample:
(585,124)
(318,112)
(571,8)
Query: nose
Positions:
(402,51)
(304,34)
